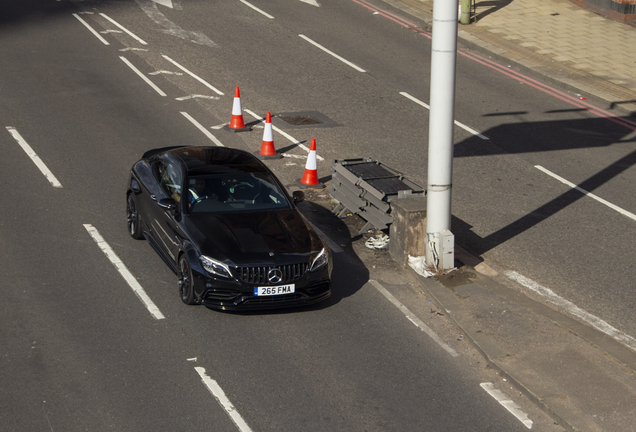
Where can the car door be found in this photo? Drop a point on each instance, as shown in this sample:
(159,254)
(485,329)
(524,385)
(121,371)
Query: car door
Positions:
(164,222)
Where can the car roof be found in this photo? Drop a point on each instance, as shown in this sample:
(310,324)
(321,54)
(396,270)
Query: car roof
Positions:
(209,160)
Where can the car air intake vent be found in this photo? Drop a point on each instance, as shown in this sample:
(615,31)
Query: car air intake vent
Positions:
(265,275)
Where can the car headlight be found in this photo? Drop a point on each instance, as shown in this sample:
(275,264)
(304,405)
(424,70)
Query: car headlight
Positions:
(214,267)
(319,260)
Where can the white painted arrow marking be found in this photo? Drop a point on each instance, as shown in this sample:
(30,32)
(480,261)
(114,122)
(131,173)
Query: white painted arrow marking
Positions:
(311,2)
(167,3)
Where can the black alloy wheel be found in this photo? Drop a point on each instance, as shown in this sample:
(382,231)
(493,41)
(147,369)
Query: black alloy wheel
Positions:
(132,218)
(186,284)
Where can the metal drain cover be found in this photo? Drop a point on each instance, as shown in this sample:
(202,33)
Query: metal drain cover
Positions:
(302,119)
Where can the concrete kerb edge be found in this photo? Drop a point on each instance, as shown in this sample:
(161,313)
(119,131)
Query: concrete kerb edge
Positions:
(427,285)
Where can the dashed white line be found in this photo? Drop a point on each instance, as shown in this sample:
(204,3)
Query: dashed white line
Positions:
(131,34)
(219,394)
(589,194)
(34,157)
(123,270)
(201,80)
(347,62)
(573,309)
(104,41)
(508,404)
(199,126)
(414,319)
(285,134)
(257,9)
(461,125)
(144,77)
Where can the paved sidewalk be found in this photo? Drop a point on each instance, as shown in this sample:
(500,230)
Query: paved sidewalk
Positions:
(585,52)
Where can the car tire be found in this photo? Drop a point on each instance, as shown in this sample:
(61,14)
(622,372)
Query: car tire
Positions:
(186,284)
(133,221)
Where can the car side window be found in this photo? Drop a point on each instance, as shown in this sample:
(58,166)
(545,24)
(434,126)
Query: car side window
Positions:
(169,180)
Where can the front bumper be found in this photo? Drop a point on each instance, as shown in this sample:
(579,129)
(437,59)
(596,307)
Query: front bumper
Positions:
(234,295)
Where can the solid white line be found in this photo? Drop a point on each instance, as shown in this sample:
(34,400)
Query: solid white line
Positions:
(285,134)
(508,404)
(461,125)
(144,77)
(201,80)
(104,41)
(257,9)
(573,309)
(411,317)
(34,157)
(584,192)
(202,129)
(332,53)
(123,270)
(131,34)
(219,394)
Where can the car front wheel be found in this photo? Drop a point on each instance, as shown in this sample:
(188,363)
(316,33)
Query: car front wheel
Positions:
(132,218)
(186,284)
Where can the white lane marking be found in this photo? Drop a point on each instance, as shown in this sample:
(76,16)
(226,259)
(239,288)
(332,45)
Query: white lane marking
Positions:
(573,309)
(508,404)
(347,62)
(286,135)
(144,77)
(199,126)
(124,272)
(132,49)
(461,125)
(311,2)
(128,32)
(159,72)
(257,9)
(104,41)
(34,157)
(219,394)
(196,96)
(411,317)
(201,80)
(584,192)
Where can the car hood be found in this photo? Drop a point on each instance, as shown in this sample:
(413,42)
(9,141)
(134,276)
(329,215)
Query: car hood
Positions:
(253,237)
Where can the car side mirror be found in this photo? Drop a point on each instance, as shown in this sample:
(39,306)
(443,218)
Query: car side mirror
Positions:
(298,196)
(167,204)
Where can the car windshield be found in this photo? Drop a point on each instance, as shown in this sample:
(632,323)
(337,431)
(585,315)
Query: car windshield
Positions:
(234,192)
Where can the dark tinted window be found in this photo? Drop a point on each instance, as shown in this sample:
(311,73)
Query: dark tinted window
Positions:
(235,192)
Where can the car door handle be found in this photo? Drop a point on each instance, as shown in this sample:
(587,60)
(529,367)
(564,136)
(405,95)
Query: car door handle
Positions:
(154,197)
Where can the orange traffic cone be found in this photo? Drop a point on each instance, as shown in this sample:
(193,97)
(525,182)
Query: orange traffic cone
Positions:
(310,178)
(267,148)
(237,124)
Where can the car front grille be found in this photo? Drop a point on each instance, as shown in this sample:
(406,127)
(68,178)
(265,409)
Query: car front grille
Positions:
(260,275)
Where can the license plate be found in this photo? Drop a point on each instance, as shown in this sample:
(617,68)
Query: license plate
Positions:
(274,290)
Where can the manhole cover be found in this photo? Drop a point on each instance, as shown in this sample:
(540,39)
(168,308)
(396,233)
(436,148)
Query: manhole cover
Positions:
(300,120)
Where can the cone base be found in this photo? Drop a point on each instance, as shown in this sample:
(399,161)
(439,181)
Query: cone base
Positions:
(245,129)
(263,157)
(306,186)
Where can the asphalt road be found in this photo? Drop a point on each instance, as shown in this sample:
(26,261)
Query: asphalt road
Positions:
(80,351)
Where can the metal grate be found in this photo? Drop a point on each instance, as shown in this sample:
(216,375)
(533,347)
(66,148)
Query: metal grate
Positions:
(259,275)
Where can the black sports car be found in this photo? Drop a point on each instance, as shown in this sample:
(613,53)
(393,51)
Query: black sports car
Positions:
(226,226)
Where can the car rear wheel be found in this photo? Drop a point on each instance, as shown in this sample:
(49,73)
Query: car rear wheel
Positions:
(132,218)
(186,284)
